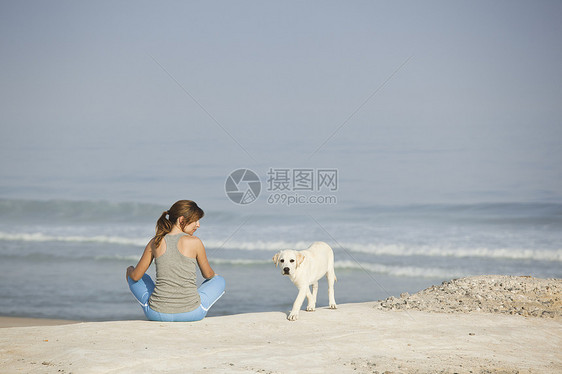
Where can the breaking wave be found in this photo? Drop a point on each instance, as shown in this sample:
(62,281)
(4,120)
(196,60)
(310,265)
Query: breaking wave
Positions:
(399,250)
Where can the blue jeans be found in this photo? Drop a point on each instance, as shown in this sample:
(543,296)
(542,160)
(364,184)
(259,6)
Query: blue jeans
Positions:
(210,291)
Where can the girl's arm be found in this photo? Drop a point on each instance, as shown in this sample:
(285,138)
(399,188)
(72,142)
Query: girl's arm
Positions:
(202,261)
(136,273)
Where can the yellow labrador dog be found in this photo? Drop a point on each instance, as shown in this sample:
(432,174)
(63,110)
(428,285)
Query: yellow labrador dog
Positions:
(305,268)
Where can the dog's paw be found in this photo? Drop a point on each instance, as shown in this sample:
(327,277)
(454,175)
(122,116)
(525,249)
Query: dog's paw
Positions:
(311,308)
(293,316)
(333,306)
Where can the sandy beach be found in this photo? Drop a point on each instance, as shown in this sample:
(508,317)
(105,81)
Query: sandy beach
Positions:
(26,322)
(355,338)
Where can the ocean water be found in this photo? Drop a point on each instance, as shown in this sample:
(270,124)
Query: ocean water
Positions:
(67,259)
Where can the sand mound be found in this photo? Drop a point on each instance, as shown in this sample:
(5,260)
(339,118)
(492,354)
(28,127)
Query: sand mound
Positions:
(524,296)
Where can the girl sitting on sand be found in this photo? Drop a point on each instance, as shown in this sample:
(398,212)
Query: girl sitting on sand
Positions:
(175,297)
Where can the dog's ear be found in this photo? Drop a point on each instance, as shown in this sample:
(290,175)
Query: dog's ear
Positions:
(300,259)
(276,259)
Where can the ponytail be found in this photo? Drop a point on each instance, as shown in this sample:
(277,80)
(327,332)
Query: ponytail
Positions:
(163,227)
(184,208)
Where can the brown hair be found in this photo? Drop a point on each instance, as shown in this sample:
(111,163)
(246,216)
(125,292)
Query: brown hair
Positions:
(184,208)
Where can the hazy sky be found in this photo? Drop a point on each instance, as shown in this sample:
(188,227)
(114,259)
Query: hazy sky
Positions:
(433,101)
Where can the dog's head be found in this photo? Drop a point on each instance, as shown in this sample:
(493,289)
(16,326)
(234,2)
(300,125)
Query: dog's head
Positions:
(289,260)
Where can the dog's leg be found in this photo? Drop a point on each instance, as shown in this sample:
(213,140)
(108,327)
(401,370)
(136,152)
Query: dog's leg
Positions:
(312,298)
(331,276)
(298,303)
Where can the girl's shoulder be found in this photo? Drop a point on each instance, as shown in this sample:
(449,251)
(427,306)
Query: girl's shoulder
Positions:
(190,246)
(190,241)
(159,250)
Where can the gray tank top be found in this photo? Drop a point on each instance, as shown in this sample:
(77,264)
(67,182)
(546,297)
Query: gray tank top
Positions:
(176,287)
